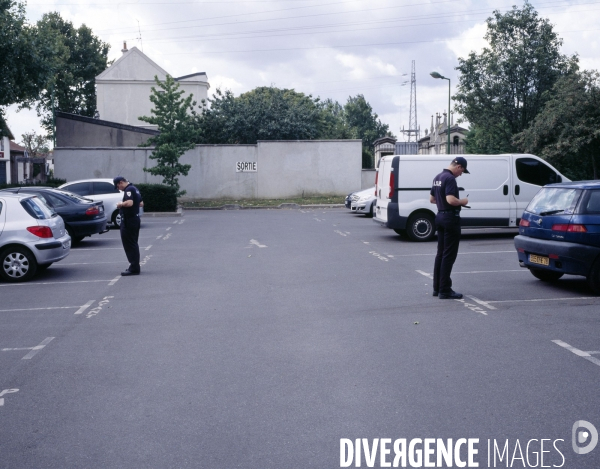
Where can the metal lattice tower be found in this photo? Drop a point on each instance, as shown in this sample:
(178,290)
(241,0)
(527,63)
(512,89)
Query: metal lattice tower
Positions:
(413,132)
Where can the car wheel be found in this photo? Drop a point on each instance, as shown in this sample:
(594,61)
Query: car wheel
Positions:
(370,214)
(18,264)
(421,227)
(116,218)
(546,275)
(593,279)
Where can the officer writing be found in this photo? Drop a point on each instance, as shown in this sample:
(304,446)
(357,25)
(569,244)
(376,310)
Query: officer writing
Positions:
(130,223)
(444,193)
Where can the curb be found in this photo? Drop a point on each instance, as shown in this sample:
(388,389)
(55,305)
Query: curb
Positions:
(178,213)
(269,207)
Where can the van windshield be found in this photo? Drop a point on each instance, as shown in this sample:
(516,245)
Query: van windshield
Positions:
(553,200)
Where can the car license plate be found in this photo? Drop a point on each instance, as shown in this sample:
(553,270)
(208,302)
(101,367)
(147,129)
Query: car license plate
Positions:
(539,259)
(67,244)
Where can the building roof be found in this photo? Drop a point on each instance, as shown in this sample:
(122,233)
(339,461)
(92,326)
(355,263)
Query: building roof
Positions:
(16,148)
(115,125)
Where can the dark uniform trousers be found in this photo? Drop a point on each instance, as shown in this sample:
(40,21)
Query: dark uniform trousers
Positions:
(448,230)
(130,232)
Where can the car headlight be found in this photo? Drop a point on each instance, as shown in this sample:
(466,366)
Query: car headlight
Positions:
(364,198)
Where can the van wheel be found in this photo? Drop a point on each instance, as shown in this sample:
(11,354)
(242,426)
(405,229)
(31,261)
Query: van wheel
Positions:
(18,264)
(546,275)
(420,227)
(593,279)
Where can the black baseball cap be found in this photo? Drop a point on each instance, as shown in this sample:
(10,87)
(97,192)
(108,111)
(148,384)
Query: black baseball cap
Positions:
(118,179)
(461,161)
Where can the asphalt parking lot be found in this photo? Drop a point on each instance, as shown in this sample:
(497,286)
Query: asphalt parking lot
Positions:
(261,338)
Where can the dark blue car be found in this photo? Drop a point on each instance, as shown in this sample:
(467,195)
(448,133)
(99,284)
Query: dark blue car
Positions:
(559,232)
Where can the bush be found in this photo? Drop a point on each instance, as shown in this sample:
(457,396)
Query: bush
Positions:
(158,197)
(50,182)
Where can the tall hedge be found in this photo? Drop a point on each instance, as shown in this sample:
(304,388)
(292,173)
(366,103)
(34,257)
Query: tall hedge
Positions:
(158,197)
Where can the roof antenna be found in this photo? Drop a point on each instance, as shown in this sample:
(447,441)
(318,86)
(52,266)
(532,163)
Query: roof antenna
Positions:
(140,36)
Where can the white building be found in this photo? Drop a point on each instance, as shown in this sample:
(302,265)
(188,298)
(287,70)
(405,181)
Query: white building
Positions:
(5,160)
(123,90)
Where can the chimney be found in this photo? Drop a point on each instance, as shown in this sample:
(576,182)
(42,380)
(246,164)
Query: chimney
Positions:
(124,47)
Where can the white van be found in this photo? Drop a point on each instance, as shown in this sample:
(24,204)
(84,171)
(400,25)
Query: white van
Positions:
(498,188)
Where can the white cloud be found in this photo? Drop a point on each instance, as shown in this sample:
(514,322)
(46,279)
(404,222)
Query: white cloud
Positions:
(468,41)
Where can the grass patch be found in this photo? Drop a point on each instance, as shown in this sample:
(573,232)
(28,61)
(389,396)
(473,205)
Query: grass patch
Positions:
(261,202)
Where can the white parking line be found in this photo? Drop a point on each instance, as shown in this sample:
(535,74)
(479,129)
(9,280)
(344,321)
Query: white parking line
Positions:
(460,253)
(256,243)
(37,309)
(481,302)
(148,248)
(425,274)
(34,350)
(114,280)
(28,284)
(6,391)
(491,271)
(83,263)
(168,228)
(579,353)
(84,307)
(546,299)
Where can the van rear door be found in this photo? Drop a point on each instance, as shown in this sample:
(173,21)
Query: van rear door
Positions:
(530,173)
(382,189)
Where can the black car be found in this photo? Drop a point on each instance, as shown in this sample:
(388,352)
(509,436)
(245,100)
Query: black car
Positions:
(559,232)
(82,217)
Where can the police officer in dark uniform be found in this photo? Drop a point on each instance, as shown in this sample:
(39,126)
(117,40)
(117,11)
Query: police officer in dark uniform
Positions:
(130,223)
(444,193)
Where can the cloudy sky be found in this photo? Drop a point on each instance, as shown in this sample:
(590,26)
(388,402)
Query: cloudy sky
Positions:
(327,48)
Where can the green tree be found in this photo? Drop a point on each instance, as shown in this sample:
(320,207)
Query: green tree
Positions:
(567,131)
(174,115)
(501,90)
(333,123)
(36,145)
(364,124)
(265,113)
(78,57)
(22,71)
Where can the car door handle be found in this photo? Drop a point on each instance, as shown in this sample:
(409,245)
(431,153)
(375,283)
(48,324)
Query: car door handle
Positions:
(517,189)
(505,189)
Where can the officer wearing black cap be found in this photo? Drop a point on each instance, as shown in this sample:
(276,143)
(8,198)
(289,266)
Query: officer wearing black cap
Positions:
(130,223)
(444,193)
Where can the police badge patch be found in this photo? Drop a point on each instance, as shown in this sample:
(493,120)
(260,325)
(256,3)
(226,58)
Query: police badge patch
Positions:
(128,193)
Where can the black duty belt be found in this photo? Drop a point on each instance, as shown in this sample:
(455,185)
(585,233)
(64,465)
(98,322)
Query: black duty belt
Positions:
(454,210)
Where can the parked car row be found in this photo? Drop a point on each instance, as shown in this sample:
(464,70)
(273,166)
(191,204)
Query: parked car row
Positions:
(38,225)
(558,220)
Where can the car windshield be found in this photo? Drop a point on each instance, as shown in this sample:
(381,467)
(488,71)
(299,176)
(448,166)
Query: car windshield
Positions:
(553,200)
(36,208)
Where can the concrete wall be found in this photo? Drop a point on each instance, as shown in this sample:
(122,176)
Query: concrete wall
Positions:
(367,178)
(284,169)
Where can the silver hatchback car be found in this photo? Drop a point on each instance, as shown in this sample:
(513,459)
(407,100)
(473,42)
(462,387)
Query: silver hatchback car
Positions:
(32,237)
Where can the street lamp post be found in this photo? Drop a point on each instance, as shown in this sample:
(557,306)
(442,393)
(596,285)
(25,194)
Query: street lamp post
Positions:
(437,75)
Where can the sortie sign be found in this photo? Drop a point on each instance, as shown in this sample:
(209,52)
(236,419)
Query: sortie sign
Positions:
(246,167)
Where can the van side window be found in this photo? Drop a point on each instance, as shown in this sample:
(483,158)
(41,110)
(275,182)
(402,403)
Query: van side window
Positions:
(535,172)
